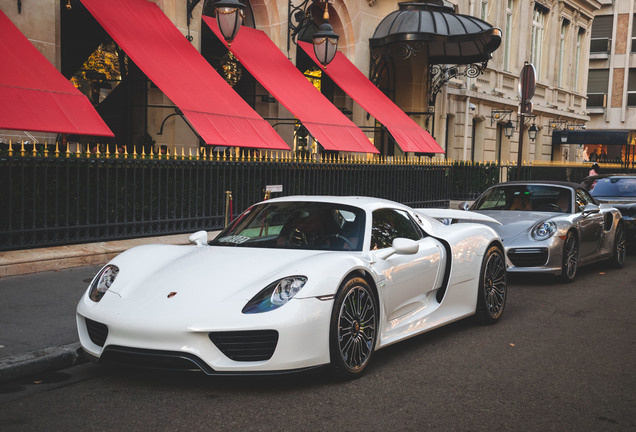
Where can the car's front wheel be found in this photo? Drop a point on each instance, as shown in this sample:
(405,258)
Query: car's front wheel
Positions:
(570,261)
(620,247)
(493,286)
(353,327)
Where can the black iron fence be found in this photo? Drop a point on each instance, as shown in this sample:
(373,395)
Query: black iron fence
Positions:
(49,200)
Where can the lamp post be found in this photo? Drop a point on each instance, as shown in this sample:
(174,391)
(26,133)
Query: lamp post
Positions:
(527,85)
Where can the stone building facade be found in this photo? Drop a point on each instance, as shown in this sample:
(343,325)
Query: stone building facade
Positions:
(612,77)
(553,35)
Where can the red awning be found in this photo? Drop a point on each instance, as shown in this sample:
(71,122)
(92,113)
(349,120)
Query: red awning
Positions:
(35,96)
(217,113)
(258,54)
(408,134)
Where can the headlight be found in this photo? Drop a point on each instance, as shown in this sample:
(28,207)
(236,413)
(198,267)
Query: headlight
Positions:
(102,282)
(543,230)
(275,294)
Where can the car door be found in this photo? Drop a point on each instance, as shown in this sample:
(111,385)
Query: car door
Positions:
(590,226)
(408,280)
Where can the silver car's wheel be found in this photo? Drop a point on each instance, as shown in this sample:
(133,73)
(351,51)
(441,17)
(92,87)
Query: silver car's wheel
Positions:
(620,247)
(570,258)
(353,327)
(492,287)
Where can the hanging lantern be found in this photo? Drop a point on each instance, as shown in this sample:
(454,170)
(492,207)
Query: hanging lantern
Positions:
(325,40)
(229,17)
(509,128)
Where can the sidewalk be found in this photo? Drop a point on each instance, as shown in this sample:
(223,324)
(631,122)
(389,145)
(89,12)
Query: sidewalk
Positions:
(40,289)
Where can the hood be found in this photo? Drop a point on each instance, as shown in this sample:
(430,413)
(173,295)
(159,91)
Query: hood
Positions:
(515,223)
(207,272)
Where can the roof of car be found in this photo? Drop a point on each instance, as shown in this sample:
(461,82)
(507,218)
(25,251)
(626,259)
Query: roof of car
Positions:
(599,176)
(541,182)
(369,203)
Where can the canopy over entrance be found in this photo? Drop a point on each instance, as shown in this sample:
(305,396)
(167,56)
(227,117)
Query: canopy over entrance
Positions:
(449,38)
(594,136)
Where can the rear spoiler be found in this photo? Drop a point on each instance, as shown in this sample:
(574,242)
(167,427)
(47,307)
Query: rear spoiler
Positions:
(456,215)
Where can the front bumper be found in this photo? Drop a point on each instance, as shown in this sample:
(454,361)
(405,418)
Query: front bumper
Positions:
(293,337)
(537,257)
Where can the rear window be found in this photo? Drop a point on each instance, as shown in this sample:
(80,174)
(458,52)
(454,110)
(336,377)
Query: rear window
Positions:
(614,187)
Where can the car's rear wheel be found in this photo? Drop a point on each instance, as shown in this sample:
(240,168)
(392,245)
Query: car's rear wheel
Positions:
(570,262)
(620,247)
(353,327)
(493,286)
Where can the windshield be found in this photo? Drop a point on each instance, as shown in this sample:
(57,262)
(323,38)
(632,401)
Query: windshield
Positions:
(614,187)
(296,225)
(526,198)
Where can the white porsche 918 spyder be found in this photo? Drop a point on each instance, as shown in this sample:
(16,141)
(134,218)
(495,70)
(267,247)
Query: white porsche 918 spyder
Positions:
(294,283)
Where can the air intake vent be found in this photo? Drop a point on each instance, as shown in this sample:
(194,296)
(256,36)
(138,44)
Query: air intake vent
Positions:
(530,257)
(98,332)
(257,345)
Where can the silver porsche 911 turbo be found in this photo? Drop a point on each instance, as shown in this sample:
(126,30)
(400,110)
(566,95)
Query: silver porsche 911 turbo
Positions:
(552,227)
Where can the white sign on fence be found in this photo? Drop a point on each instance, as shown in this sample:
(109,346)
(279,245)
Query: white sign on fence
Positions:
(274,188)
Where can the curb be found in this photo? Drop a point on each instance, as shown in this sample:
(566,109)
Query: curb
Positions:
(40,361)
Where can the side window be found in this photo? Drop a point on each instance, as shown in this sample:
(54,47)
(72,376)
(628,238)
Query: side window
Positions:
(582,199)
(389,224)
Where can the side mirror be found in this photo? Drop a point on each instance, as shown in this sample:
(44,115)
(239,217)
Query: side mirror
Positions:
(590,209)
(400,246)
(464,205)
(199,238)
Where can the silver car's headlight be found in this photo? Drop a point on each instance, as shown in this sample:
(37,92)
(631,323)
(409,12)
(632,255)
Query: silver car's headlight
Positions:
(275,294)
(102,282)
(543,230)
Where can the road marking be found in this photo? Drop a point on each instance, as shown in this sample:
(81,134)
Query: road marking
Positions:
(2,346)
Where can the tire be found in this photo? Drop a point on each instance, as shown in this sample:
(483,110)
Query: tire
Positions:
(620,247)
(493,287)
(570,261)
(353,329)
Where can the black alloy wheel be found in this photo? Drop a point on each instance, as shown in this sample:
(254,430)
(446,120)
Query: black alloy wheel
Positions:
(620,247)
(353,329)
(493,287)
(570,261)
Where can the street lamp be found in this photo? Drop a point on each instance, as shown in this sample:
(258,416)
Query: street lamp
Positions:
(509,128)
(325,40)
(229,17)
(532,132)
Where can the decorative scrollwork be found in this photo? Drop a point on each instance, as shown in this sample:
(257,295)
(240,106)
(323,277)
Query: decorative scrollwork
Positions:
(404,50)
(439,75)
(299,17)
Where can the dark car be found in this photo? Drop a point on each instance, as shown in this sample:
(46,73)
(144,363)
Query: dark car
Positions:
(618,190)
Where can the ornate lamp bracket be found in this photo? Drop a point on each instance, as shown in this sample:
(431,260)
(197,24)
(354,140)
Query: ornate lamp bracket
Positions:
(440,75)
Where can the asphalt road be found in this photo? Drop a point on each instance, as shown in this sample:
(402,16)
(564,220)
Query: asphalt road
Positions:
(561,359)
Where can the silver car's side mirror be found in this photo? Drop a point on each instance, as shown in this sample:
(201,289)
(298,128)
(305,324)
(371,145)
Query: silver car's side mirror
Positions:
(590,209)
(464,205)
